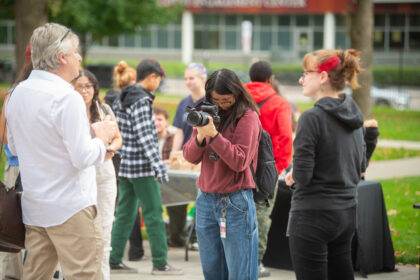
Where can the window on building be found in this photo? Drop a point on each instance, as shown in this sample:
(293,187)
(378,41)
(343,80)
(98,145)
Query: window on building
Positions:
(379,20)
(231,20)
(318,40)
(397,20)
(414,39)
(177,39)
(251,18)
(265,40)
(113,41)
(340,40)
(129,41)
(212,19)
(206,40)
(198,19)
(146,40)
(302,20)
(230,40)
(3,35)
(162,39)
(283,20)
(378,40)
(396,39)
(266,20)
(319,20)
(414,20)
(340,20)
(283,40)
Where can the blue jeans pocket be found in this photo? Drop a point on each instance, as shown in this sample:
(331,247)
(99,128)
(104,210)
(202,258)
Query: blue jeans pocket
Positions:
(238,201)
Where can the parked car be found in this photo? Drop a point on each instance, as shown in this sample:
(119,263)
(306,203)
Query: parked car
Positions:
(387,97)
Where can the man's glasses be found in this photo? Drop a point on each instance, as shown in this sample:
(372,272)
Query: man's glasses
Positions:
(306,72)
(65,35)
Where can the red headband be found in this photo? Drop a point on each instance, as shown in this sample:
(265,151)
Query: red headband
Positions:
(28,53)
(329,64)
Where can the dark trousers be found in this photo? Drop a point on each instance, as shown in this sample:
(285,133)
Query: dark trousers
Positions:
(320,243)
(177,231)
(136,250)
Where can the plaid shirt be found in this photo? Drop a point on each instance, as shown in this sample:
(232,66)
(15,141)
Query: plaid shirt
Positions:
(140,149)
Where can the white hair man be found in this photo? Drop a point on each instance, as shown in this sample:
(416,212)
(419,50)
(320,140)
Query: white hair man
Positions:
(48,130)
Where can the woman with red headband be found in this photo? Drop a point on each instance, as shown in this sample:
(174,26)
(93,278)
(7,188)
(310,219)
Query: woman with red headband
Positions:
(327,162)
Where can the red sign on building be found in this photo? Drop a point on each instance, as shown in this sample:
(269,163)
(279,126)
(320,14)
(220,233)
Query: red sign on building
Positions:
(264,6)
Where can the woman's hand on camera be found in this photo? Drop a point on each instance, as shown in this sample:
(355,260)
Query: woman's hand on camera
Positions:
(207,130)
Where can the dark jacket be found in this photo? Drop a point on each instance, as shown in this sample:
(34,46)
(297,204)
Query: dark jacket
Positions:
(329,155)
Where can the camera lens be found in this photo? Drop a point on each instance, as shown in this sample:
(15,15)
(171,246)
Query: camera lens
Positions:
(197,118)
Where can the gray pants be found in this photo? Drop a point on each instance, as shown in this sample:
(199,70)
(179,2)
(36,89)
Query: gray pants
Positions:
(264,223)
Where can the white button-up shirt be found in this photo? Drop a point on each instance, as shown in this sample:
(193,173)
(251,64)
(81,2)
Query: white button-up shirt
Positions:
(49,131)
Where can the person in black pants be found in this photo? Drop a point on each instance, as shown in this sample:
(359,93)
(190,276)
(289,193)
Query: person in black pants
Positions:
(328,160)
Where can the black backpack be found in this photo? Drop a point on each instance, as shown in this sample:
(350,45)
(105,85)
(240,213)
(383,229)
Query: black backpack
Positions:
(266,174)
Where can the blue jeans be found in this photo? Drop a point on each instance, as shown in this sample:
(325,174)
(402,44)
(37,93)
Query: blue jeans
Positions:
(233,257)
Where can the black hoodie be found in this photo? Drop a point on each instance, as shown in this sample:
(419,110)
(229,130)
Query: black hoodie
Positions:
(329,155)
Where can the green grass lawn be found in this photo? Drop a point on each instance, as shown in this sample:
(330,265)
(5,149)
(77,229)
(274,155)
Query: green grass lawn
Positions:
(393,124)
(384,153)
(400,194)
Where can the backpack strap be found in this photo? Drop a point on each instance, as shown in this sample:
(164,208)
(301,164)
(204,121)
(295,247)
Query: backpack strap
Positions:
(228,121)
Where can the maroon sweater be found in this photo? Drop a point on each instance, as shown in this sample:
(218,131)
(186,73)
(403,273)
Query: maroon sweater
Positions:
(236,148)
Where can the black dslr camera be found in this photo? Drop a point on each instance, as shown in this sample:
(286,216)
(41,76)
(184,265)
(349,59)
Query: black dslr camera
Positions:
(199,116)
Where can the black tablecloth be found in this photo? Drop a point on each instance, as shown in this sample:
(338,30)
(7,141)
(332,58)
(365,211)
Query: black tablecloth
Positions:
(372,251)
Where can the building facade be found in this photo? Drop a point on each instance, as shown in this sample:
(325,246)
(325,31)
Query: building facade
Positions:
(282,31)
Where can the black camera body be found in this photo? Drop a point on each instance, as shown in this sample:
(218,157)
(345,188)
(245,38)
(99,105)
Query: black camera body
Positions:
(199,116)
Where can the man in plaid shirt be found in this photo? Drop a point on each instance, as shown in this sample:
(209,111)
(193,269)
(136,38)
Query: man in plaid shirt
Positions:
(140,167)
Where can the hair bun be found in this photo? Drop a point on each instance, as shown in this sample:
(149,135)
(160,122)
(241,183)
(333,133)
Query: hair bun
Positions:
(121,67)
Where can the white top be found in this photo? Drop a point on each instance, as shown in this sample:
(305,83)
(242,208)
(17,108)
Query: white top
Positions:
(49,131)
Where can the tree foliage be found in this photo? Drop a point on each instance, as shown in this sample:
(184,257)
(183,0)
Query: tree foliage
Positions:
(102,18)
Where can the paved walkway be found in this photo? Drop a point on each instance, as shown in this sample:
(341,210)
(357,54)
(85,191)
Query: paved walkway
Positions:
(192,269)
(376,170)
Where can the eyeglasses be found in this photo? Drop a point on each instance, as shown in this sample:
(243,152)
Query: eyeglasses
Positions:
(224,102)
(306,72)
(65,35)
(85,87)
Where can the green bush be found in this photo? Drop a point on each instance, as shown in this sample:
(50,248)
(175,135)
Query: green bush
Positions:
(390,75)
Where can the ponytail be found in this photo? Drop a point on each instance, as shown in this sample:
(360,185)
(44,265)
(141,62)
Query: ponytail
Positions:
(351,59)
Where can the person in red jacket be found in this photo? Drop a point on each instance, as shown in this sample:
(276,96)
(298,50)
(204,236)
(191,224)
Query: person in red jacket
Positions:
(275,118)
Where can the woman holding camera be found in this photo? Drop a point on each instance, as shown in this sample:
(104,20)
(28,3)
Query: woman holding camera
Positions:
(226,222)
(327,162)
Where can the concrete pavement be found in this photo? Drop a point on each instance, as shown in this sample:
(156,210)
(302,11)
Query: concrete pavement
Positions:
(192,269)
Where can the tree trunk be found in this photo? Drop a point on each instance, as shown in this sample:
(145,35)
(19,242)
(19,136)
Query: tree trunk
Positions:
(84,47)
(29,14)
(361,40)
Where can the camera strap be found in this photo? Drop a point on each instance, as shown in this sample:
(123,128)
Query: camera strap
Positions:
(227,122)
(213,155)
